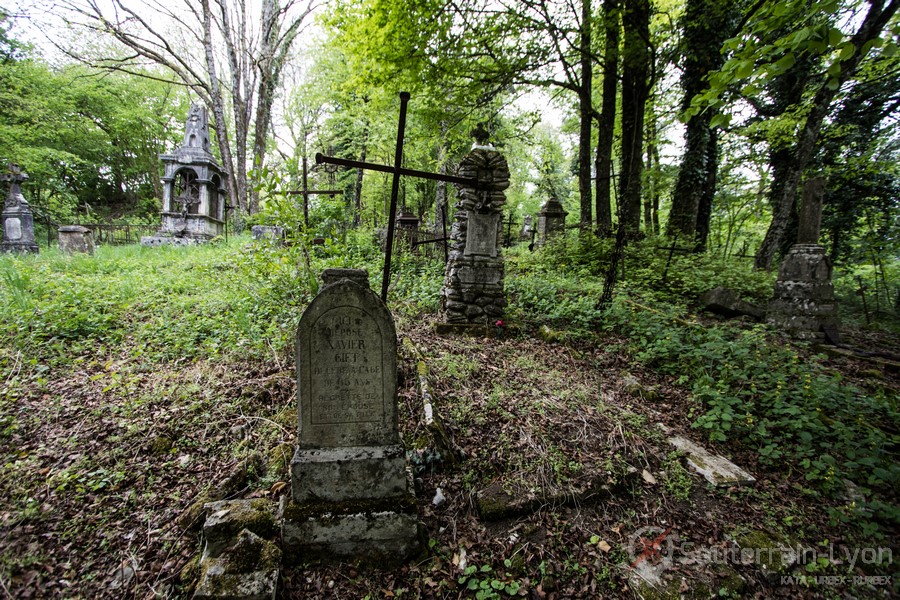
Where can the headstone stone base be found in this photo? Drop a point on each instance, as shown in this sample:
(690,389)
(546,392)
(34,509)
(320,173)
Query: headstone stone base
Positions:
(803,303)
(348,473)
(18,230)
(75,238)
(381,530)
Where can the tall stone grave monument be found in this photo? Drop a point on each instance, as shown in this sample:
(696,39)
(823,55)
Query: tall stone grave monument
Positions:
(473,279)
(351,495)
(803,303)
(18,222)
(194,197)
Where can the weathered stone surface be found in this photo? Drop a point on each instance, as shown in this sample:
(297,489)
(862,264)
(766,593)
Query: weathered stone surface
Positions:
(338,474)
(75,238)
(383,531)
(271,233)
(347,370)
(803,302)
(473,280)
(726,302)
(194,196)
(17,220)
(481,235)
(551,219)
(351,490)
(715,469)
(247,570)
(227,518)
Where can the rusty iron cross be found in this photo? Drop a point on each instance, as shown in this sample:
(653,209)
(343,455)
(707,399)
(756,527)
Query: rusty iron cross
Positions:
(397,170)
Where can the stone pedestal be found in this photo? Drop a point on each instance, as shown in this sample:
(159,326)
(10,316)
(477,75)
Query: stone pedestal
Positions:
(473,280)
(75,238)
(17,221)
(803,303)
(351,496)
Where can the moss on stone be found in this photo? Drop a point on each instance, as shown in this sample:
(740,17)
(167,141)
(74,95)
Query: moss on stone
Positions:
(768,551)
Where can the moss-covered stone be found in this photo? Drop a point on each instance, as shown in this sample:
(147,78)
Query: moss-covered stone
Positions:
(160,445)
(227,518)
(766,550)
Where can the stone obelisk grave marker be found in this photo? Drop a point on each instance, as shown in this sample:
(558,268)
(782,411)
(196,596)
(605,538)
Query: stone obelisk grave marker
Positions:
(351,495)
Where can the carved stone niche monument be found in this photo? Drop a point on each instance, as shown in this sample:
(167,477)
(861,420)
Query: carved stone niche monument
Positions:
(473,279)
(351,493)
(18,222)
(194,197)
(803,303)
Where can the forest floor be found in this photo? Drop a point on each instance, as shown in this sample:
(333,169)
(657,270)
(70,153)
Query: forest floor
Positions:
(104,460)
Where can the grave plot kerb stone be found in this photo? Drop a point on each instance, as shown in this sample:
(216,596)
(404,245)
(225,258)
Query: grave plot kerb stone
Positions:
(346,370)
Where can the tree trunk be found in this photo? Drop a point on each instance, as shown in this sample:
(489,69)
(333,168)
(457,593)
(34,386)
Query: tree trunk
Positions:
(586,112)
(871,27)
(606,124)
(706,25)
(708,193)
(357,189)
(635,73)
(236,186)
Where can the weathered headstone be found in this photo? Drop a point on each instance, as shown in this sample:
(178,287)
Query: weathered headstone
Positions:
(18,222)
(194,197)
(803,302)
(527,228)
(350,487)
(270,233)
(473,281)
(76,239)
(551,219)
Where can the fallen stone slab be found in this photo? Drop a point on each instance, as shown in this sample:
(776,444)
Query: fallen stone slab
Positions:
(717,470)
(726,302)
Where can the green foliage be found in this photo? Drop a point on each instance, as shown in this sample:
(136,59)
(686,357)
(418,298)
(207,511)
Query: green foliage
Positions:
(488,584)
(748,387)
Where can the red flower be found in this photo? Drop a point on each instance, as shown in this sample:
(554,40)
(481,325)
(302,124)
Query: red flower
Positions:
(499,323)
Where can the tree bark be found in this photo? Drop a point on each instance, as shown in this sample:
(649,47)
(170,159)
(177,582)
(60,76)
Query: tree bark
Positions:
(236,186)
(875,20)
(635,88)
(606,123)
(586,113)
(706,25)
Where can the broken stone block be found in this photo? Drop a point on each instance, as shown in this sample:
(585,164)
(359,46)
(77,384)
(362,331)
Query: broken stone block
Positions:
(247,570)
(227,518)
(717,470)
(725,302)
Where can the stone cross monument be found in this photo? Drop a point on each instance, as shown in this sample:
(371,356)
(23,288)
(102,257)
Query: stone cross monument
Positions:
(351,495)
(18,222)
(803,303)
(194,197)
(473,280)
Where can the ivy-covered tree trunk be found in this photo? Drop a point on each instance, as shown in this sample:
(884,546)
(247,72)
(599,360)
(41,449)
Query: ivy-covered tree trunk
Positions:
(635,88)
(707,24)
(586,112)
(877,17)
(606,123)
